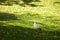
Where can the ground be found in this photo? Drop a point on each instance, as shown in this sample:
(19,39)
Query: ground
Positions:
(16,22)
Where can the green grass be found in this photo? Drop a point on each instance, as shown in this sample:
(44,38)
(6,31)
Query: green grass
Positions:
(16,22)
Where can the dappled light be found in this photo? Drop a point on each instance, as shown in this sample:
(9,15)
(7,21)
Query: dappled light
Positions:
(29,19)
(22,3)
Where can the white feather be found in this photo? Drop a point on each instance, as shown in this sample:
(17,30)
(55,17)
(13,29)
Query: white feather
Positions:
(36,25)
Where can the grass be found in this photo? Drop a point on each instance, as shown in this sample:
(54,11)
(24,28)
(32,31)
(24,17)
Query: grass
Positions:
(21,33)
(16,22)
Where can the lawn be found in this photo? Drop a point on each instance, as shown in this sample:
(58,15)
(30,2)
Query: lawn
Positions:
(16,22)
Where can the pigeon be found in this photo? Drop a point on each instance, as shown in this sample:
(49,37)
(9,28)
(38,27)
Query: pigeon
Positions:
(36,26)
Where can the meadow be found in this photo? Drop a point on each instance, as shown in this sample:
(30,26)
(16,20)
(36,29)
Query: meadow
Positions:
(16,22)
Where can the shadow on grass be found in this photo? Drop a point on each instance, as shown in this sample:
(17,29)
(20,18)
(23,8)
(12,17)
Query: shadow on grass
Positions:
(7,16)
(2,1)
(20,33)
(57,2)
(29,1)
(31,5)
(25,2)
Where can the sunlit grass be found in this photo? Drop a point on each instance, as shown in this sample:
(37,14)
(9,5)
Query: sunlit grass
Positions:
(21,26)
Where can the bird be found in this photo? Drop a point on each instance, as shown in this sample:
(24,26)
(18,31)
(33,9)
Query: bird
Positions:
(36,26)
